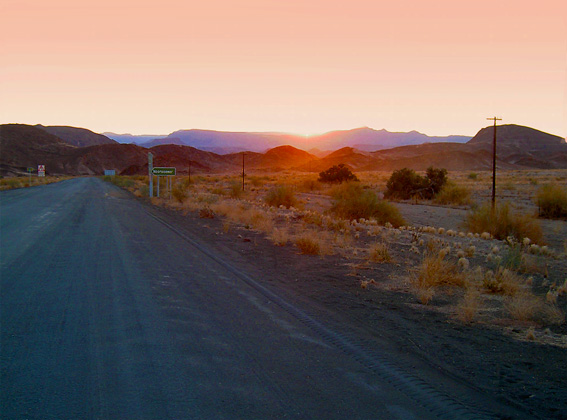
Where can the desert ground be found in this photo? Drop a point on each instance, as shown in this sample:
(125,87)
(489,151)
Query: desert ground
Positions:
(499,323)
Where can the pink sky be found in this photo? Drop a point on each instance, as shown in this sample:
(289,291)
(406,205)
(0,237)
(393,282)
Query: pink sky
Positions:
(439,67)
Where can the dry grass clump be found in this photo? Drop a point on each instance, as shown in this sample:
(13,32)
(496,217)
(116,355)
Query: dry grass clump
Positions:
(503,281)
(502,223)
(353,202)
(526,306)
(179,193)
(9,183)
(309,185)
(452,193)
(379,253)
(244,214)
(281,195)
(436,270)
(235,189)
(424,295)
(552,201)
(308,243)
(468,308)
(206,213)
(279,236)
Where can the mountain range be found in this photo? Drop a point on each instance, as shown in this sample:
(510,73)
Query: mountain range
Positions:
(77,151)
(224,142)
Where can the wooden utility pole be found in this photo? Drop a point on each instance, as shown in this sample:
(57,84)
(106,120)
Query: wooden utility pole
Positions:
(494,162)
(242,171)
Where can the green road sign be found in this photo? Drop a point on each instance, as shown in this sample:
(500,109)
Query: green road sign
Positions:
(30,169)
(163,171)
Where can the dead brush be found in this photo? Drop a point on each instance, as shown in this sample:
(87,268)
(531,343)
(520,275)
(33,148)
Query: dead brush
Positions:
(468,308)
(379,253)
(206,213)
(434,271)
(501,223)
(308,243)
(279,236)
(526,306)
(437,270)
(503,281)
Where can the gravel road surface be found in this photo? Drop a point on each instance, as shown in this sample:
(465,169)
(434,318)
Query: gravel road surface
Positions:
(109,311)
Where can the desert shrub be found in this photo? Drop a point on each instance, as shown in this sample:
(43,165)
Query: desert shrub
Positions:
(473,175)
(453,194)
(552,201)
(437,179)
(406,183)
(187,182)
(403,183)
(256,181)
(337,174)
(309,185)
(281,195)
(279,237)
(122,181)
(436,270)
(353,202)
(236,189)
(144,190)
(500,222)
(179,193)
(10,183)
(503,281)
(526,306)
(206,213)
(468,308)
(308,244)
(379,253)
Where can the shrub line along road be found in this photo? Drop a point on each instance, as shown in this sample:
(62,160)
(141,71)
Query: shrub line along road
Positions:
(111,311)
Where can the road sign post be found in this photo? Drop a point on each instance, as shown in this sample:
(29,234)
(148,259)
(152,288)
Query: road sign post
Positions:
(30,170)
(163,171)
(150,173)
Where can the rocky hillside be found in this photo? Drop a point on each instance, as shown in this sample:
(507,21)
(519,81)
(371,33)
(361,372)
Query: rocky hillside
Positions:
(80,137)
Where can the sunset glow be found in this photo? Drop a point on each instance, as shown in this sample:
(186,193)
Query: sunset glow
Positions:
(440,67)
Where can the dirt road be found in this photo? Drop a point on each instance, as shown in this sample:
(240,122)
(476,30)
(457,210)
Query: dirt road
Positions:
(112,311)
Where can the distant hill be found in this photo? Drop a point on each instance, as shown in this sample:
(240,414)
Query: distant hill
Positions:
(132,138)
(23,146)
(517,136)
(80,137)
(207,139)
(523,146)
(222,142)
(368,139)
(355,159)
(518,148)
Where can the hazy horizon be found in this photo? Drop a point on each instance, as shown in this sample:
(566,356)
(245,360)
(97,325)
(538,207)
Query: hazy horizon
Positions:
(304,68)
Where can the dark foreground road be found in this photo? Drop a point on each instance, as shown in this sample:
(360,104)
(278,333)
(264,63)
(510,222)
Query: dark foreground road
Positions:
(108,312)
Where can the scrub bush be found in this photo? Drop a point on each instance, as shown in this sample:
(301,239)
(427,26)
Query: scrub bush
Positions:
(337,174)
(552,201)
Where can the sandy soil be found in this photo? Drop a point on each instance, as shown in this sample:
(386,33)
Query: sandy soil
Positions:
(493,354)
